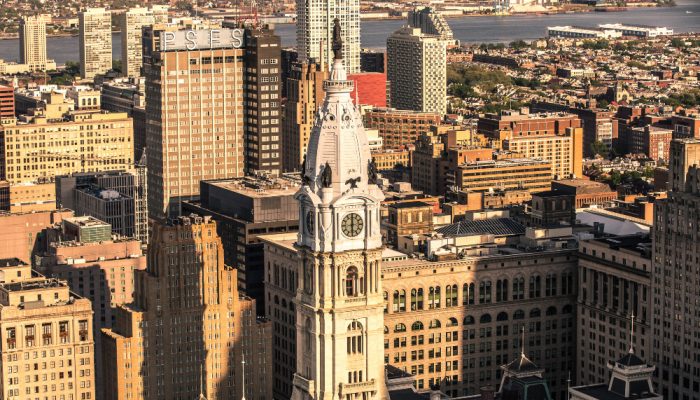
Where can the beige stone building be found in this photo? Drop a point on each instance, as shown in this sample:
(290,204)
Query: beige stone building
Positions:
(47,342)
(417,68)
(188,330)
(194,113)
(304,95)
(57,141)
(453,322)
(614,276)
(564,152)
(95,42)
(676,245)
(130,22)
(32,41)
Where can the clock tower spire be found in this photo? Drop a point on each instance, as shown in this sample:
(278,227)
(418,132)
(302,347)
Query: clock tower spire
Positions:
(339,303)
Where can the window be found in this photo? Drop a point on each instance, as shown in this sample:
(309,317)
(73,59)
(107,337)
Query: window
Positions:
(417,326)
(535,286)
(351,282)
(416,299)
(468,294)
(354,338)
(434,297)
(550,285)
(502,290)
(484,292)
(400,328)
(519,288)
(434,324)
(451,296)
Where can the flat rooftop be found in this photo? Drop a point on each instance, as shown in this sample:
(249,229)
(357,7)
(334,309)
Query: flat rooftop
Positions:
(257,187)
(86,221)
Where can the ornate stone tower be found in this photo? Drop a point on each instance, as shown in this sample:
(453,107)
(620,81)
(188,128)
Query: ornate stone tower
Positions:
(339,301)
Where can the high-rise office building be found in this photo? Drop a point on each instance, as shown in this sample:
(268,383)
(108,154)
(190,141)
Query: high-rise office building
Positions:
(244,209)
(339,310)
(676,244)
(32,41)
(194,112)
(263,152)
(131,23)
(315,30)
(417,70)
(431,22)
(188,330)
(95,42)
(41,316)
(101,271)
(304,95)
(119,198)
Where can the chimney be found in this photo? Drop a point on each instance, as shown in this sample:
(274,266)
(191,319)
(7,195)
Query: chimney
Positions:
(487,392)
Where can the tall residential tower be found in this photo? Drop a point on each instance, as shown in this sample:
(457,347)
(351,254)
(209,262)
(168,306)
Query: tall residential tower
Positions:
(95,42)
(315,27)
(131,23)
(32,41)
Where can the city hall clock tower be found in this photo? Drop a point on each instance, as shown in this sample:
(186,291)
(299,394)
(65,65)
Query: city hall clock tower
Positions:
(339,303)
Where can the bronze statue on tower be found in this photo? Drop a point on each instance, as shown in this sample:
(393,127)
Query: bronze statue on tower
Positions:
(337,40)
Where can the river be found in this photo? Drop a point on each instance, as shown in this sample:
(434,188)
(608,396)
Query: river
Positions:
(466,29)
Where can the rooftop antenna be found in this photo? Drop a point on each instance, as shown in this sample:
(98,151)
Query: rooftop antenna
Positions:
(632,335)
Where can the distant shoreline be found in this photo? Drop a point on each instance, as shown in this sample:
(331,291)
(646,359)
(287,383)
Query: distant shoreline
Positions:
(390,18)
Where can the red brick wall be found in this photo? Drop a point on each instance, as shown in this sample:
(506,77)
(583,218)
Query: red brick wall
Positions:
(370,88)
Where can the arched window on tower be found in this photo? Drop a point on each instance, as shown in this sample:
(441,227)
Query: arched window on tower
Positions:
(307,335)
(354,338)
(351,282)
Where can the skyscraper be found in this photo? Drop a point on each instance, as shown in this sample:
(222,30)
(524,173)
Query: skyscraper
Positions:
(339,310)
(315,27)
(131,23)
(95,42)
(675,263)
(41,316)
(188,330)
(263,111)
(194,112)
(32,41)
(417,69)
(304,95)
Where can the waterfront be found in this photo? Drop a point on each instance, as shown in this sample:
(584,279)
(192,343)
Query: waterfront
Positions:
(467,29)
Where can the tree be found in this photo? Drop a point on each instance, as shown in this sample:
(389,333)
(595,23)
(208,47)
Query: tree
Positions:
(678,43)
(599,148)
(615,178)
(518,45)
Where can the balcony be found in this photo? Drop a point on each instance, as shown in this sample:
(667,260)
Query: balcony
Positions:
(305,384)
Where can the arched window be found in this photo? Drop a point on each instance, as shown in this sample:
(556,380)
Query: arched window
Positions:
(484,292)
(434,297)
(434,324)
(566,309)
(519,314)
(416,299)
(354,338)
(399,301)
(502,316)
(451,296)
(417,326)
(550,285)
(535,313)
(467,294)
(485,318)
(535,286)
(502,290)
(452,322)
(400,328)
(519,288)
(277,299)
(469,320)
(567,283)
(551,310)
(351,282)
(386,329)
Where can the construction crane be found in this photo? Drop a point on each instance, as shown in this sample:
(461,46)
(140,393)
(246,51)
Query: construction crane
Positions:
(252,15)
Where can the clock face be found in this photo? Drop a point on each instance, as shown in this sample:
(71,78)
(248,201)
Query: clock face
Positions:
(310,222)
(352,225)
